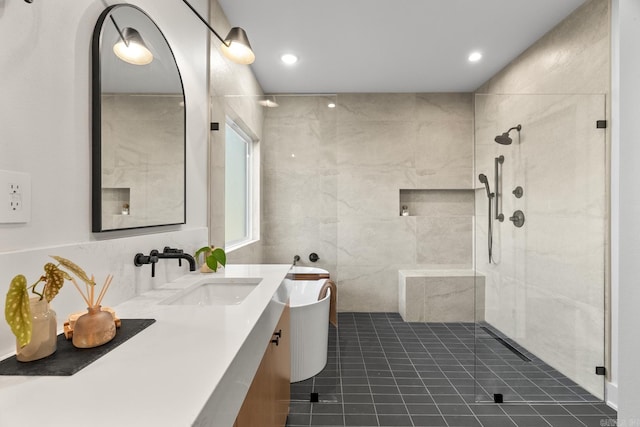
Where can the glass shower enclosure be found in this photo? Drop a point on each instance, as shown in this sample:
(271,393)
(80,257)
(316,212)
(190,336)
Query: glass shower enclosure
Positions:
(539,238)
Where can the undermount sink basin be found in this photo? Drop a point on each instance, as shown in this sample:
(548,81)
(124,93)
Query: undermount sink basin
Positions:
(214,291)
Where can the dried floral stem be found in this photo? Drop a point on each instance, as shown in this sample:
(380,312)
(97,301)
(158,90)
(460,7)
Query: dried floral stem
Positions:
(81,293)
(107,282)
(92,290)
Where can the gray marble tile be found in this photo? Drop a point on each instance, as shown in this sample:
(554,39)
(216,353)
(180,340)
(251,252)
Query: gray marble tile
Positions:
(381,242)
(444,240)
(366,107)
(377,144)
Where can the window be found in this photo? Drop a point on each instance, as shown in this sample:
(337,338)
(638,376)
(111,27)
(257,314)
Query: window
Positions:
(238,186)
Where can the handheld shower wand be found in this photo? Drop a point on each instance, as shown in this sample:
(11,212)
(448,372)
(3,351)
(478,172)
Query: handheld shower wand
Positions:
(484,180)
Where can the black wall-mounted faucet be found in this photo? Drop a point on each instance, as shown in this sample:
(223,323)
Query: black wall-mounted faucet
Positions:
(167,253)
(140,259)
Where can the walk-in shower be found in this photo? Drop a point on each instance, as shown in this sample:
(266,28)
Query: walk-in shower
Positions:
(543,279)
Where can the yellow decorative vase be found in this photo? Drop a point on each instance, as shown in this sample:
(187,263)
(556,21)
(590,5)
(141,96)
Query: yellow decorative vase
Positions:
(43,336)
(94,329)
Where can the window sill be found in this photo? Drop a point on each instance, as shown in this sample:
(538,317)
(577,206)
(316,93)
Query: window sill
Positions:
(236,246)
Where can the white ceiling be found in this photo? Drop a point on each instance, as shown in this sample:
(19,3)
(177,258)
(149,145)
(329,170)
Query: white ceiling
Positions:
(389,45)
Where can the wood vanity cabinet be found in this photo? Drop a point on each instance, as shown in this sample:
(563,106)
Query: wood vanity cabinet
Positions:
(268,398)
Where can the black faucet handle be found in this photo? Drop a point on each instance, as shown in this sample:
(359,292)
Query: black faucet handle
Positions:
(169,250)
(141,259)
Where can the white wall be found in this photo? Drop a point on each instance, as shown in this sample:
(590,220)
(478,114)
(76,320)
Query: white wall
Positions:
(46,128)
(234,94)
(626,70)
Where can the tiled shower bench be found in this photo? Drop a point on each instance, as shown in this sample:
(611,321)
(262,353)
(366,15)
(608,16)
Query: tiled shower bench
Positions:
(440,295)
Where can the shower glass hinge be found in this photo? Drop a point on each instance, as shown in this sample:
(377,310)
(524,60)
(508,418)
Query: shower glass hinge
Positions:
(601,370)
(601,124)
(215,126)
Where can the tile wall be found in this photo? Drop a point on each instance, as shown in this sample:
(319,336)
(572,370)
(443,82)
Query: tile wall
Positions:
(332,181)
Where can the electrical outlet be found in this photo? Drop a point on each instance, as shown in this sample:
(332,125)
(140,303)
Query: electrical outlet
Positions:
(16,202)
(16,199)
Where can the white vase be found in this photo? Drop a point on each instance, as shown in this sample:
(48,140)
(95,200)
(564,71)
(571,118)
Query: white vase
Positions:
(43,335)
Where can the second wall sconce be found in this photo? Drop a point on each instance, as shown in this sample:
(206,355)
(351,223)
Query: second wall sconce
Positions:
(235,46)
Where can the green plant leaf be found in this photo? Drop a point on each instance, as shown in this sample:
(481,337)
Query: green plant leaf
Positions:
(212,262)
(220,255)
(217,257)
(54,280)
(75,269)
(17,311)
(203,250)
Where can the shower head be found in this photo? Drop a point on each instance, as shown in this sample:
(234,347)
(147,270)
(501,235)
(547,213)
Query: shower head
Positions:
(505,139)
(483,179)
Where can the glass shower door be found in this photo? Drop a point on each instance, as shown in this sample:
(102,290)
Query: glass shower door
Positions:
(540,248)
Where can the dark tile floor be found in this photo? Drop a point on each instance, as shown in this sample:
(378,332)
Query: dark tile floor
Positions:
(385,372)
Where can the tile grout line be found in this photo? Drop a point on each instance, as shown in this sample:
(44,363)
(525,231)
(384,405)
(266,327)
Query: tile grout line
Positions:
(421,378)
(403,341)
(391,370)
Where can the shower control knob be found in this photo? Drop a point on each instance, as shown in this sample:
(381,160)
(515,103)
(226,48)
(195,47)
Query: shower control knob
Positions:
(518,192)
(517,218)
(313,257)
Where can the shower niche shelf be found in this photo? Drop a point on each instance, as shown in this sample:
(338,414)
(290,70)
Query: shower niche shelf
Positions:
(433,202)
(114,199)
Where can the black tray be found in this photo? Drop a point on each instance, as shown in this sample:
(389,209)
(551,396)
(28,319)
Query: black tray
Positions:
(67,360)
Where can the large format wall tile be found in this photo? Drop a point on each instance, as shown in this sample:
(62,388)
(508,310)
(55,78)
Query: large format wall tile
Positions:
(368,287)
(377,144)
(370,107)
(444,153)
(373,194)
(441,240)
(377,242)
(339,195)
(444,107)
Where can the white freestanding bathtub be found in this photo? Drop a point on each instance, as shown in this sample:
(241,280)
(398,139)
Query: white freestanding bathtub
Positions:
(309,325)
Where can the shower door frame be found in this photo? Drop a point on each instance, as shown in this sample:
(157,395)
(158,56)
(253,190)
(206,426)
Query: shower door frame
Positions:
(559,159)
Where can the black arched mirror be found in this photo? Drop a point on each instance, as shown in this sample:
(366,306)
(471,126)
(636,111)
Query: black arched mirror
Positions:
(138,124)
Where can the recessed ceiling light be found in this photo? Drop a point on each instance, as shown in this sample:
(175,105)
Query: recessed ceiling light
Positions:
(289,58)
(475,57)
(331,105)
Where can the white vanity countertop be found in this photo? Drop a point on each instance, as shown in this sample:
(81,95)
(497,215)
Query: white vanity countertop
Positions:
(193,366)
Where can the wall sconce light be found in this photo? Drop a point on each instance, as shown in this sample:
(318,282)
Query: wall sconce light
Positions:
(235,46)
(131,48)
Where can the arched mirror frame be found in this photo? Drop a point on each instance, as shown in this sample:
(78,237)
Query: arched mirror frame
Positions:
(97,140)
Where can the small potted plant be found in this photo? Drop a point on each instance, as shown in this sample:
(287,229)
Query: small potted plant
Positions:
(31,320)
(213,258)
